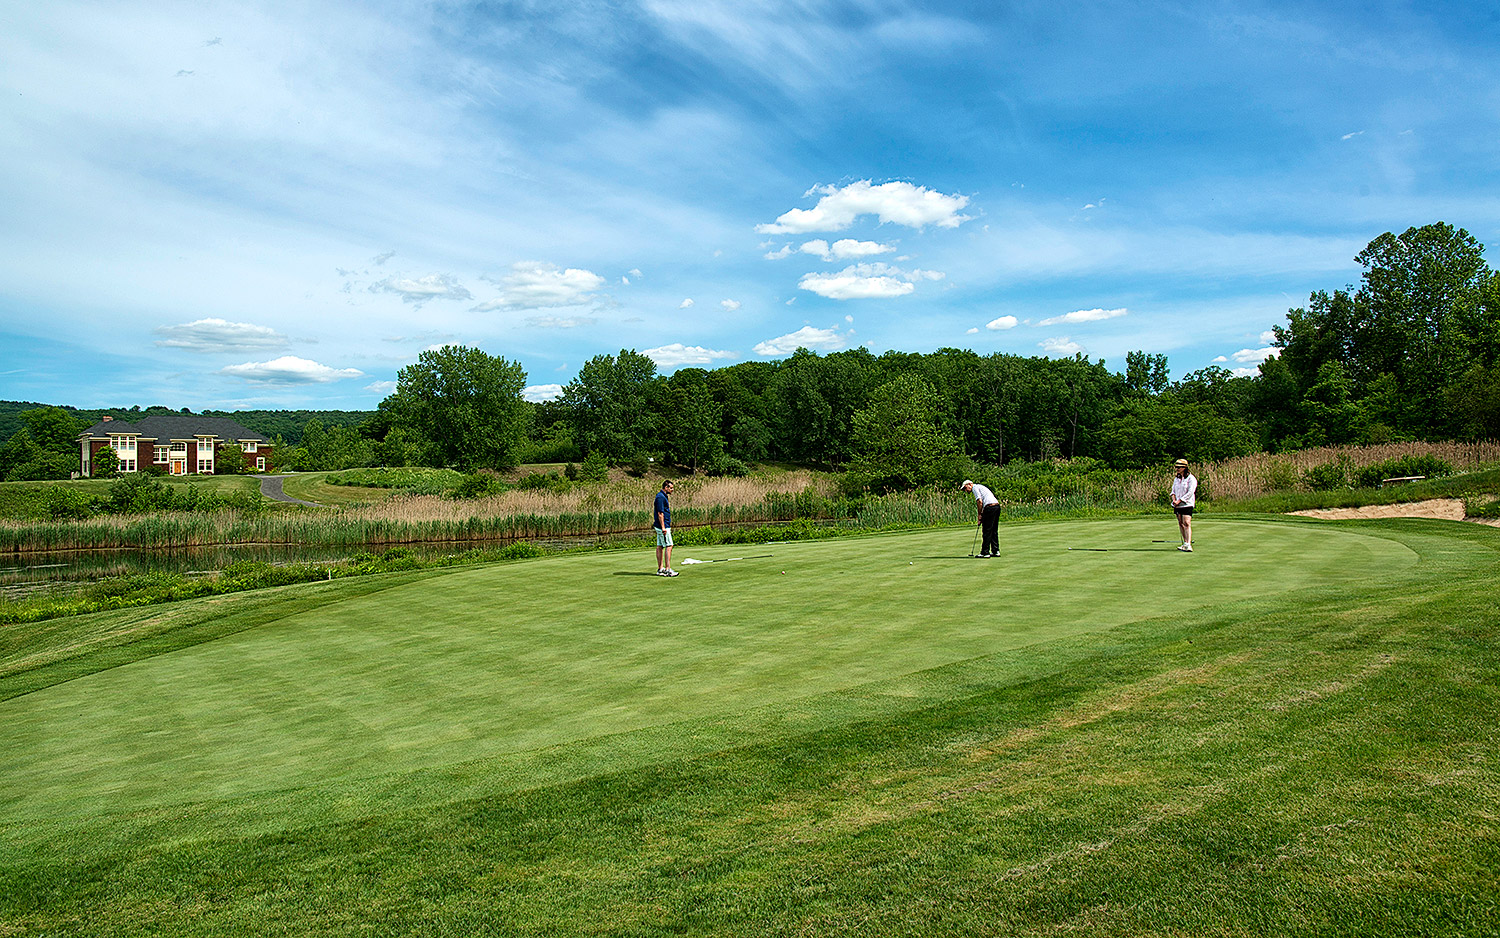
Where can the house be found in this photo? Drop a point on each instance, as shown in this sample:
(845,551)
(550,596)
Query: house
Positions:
(182,444)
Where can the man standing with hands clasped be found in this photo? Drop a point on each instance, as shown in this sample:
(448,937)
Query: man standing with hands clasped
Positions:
(988,508)
(661,520)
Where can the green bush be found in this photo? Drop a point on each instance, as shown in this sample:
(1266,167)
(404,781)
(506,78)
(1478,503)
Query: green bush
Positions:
(1331,475)
(1423,465)
(725,465)
(478,485)
(595,468)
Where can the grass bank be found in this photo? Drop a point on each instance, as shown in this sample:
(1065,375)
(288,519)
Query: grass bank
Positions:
(864,744)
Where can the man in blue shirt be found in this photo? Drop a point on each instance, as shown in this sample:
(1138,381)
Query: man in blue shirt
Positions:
(661,521)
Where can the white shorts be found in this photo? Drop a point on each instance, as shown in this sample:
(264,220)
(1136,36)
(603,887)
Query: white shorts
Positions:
(663,538)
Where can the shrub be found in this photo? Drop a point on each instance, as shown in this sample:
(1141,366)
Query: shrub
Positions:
(1331,475)
(520,550)
(595,468)
(725,465)
(478,485)
(1416,465)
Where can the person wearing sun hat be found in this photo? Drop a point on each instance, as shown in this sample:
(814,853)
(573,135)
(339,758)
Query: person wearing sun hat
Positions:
(1184,496)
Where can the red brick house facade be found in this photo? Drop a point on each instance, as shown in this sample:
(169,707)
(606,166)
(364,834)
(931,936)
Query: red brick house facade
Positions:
(180,444)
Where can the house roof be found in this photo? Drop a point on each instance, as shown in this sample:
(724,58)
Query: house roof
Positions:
(176,427)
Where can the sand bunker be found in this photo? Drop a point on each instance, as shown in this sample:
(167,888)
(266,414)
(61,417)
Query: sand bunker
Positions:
(1448,509)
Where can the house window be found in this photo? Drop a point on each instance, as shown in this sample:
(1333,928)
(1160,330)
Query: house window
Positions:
(160,453)
(122,444)
(127,465)
(206,464)
(260,463)
(249,446)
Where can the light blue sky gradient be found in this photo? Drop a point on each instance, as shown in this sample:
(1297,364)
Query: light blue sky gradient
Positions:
(234,205)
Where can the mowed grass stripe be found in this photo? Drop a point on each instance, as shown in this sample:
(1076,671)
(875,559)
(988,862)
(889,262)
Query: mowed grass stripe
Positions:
(508,659)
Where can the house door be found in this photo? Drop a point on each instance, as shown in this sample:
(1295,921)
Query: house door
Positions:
(179,466)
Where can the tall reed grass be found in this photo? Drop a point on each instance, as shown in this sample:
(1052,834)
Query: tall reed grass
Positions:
(1263,473)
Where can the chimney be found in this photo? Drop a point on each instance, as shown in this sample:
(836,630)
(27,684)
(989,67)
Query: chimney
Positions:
(107,418)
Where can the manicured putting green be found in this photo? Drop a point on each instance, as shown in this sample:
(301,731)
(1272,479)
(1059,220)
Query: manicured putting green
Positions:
(509,658)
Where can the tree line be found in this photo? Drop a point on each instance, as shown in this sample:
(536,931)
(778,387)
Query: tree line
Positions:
(1411,352)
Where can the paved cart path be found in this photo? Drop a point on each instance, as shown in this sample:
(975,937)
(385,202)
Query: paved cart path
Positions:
(270,487)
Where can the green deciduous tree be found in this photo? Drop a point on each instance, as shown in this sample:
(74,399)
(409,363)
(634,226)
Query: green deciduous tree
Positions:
(461,408)
(897,441)
(608,405)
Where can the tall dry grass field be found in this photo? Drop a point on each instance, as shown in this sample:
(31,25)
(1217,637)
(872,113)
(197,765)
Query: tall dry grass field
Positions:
(1263,473)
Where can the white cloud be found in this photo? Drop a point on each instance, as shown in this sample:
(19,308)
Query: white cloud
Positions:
(539,285)
(730,305)
(635,272)
(382,387)
(899,203)
(848,247)
(786,251)
(1268,337)
(686,304)
(289,369)
(1084,315)
(1219,358)
(816,247)
(972,331)
(218,335)
(1351,136)
(536,393)
(1254,356)
(422,289)
(671,356)
(806,337)
(1060,346)
(560,322)
(1004,322)
(865,281)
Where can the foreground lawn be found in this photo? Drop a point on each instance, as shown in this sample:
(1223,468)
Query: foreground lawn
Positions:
(1290,731)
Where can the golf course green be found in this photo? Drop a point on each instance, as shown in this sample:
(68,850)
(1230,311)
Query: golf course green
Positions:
(462,685)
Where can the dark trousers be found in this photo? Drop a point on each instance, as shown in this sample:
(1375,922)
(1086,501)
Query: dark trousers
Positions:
(989,520)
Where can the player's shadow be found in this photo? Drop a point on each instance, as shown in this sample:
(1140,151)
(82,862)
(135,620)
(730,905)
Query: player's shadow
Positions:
(632,573)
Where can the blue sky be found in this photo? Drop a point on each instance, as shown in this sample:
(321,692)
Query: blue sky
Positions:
(244,205)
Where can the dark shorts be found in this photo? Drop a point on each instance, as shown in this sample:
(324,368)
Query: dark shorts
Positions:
(1184,510)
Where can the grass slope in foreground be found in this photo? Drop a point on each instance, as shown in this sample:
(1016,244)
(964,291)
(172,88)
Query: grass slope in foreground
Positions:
(1290,731)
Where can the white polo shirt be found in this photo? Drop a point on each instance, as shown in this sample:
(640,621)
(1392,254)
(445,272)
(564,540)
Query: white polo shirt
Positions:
(984,496)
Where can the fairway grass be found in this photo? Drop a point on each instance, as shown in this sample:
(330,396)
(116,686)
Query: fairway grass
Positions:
(1291,730)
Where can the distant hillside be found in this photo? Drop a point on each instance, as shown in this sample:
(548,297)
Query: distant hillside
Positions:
(287,423)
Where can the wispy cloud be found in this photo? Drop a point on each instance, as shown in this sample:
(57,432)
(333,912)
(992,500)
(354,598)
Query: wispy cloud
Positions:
(289,370)
(539,285)
(219,335)
(421,289)
(899,203)
(730,305)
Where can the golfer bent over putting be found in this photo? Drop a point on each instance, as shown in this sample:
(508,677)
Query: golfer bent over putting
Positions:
(661,520)
(988,508)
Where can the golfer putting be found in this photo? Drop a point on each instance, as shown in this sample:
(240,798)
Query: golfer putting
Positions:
(987,508)
(661,521)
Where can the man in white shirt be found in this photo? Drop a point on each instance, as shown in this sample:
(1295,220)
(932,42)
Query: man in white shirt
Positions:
(988,508)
